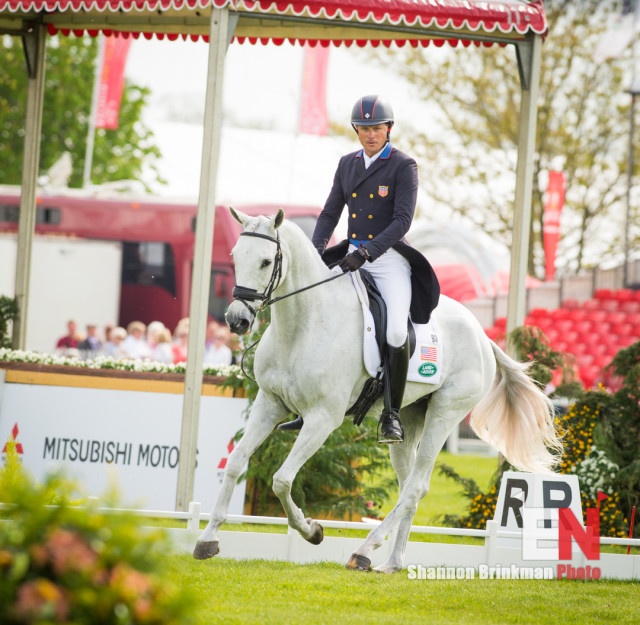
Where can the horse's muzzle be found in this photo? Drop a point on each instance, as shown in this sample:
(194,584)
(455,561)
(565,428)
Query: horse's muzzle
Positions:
(239,317)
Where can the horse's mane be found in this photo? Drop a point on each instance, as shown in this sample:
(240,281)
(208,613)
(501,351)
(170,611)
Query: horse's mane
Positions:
(300,244)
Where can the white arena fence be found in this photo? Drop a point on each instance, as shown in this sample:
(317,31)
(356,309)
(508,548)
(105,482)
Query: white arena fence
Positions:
(491,557)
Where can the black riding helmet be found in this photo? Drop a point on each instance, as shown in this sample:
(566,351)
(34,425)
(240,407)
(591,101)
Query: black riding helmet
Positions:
(371,110)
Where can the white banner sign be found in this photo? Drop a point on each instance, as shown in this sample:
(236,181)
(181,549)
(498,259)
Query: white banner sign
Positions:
(129,438)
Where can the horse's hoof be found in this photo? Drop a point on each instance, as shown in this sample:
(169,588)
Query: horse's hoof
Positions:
(318,534)
(206,549)
(359,563)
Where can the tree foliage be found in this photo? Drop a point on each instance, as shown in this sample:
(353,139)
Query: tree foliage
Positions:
(467,143)
(8,314)
(70,65)
(618,432)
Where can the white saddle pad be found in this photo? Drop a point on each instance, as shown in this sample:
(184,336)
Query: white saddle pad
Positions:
(425,365)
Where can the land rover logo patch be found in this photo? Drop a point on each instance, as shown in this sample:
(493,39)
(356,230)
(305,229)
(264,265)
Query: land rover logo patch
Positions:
(427,369)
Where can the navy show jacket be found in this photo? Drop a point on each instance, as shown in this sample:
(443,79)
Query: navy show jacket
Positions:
(381,201)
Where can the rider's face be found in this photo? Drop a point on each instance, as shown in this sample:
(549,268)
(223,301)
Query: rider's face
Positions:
(372,138)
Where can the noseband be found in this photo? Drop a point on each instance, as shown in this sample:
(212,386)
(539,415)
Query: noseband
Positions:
(244,294)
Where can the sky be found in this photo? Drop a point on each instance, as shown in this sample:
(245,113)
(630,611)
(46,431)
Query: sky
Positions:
(262,158)
(261,90)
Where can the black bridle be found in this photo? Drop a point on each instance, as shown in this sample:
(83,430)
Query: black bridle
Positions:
(246,295)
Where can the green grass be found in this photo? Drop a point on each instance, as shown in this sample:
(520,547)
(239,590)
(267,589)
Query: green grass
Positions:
(273,593)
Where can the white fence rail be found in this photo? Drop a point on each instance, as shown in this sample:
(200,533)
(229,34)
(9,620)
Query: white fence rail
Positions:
(496,560)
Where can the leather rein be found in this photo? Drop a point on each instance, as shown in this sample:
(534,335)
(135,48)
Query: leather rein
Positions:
(245,295)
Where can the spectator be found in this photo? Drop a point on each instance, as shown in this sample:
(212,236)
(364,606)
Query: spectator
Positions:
(70,340)
(153,329)
(91,346)
(181,337)
(135,345)
(112,346)
(162,352)
(216,351)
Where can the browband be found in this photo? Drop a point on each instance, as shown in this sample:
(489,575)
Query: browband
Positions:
(259,234)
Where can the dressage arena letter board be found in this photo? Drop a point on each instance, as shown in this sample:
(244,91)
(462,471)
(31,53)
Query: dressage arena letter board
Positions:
(546,492)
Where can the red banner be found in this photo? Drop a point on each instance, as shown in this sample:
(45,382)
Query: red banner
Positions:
(313,96)
(111,81)
(551,220)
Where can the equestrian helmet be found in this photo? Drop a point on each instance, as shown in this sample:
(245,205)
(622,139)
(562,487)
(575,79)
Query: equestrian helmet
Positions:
(371,110)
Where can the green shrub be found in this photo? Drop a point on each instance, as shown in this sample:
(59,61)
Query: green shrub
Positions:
(65,564)
(8,313)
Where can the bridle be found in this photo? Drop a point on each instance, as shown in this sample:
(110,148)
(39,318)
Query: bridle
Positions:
(245,295)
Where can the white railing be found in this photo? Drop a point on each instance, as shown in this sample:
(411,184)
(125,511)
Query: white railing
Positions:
(501,548)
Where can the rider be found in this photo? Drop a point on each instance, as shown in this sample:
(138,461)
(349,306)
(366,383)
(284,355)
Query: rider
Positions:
(379,185)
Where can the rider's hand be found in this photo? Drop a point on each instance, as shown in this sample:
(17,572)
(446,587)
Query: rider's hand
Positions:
(352,262)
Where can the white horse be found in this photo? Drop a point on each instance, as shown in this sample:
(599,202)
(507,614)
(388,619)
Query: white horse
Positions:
(310,362)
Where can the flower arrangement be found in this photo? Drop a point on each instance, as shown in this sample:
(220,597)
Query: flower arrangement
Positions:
(588,419)
(233,373)
(67,564)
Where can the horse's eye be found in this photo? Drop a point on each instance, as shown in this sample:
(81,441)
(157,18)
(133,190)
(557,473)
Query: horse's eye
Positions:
(265,263)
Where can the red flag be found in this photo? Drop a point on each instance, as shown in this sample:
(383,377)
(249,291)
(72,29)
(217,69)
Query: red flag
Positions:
(551,220)
(313,97)
(111,81)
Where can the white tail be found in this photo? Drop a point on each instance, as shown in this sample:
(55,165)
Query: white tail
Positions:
(517,418)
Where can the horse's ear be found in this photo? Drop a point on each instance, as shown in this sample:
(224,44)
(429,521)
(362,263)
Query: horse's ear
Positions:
(241,218)
(278,219)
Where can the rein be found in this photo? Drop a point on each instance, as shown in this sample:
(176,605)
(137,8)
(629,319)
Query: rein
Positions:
(245,295)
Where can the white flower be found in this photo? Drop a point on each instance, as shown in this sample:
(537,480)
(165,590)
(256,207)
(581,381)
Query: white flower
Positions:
(102,362)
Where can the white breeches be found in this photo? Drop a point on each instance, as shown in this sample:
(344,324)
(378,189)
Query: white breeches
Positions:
(392,274)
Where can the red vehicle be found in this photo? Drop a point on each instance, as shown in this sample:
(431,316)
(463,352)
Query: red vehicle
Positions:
(157,242)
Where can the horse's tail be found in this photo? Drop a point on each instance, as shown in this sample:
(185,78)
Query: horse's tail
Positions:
(517,418)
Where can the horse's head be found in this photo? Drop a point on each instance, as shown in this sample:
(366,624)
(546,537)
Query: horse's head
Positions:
(259,267)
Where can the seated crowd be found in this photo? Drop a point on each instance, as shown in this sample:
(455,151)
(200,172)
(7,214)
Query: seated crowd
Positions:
(153,342)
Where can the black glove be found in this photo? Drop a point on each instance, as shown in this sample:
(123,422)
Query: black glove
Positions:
(352,262)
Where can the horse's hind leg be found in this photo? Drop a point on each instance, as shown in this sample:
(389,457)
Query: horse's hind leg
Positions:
(265,413)
(403,460)
(440,421)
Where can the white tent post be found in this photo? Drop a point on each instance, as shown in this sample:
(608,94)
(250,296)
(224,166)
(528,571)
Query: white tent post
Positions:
(91,132)
(529,55)
(35,55)
(219,35)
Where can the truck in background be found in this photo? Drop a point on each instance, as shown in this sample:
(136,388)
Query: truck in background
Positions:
(114,259)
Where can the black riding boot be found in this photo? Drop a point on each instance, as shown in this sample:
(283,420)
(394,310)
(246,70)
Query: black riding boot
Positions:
(397,364)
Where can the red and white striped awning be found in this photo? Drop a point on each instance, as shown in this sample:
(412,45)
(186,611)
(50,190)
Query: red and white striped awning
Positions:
(327,21)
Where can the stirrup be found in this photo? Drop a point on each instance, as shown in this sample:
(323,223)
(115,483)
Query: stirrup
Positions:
(390,429)
(296,424)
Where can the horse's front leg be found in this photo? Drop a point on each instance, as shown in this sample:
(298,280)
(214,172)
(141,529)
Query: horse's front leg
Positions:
(265,413)
(317,428)
(415,487)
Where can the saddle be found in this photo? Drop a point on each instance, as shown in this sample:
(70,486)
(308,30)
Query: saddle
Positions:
(374,387)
